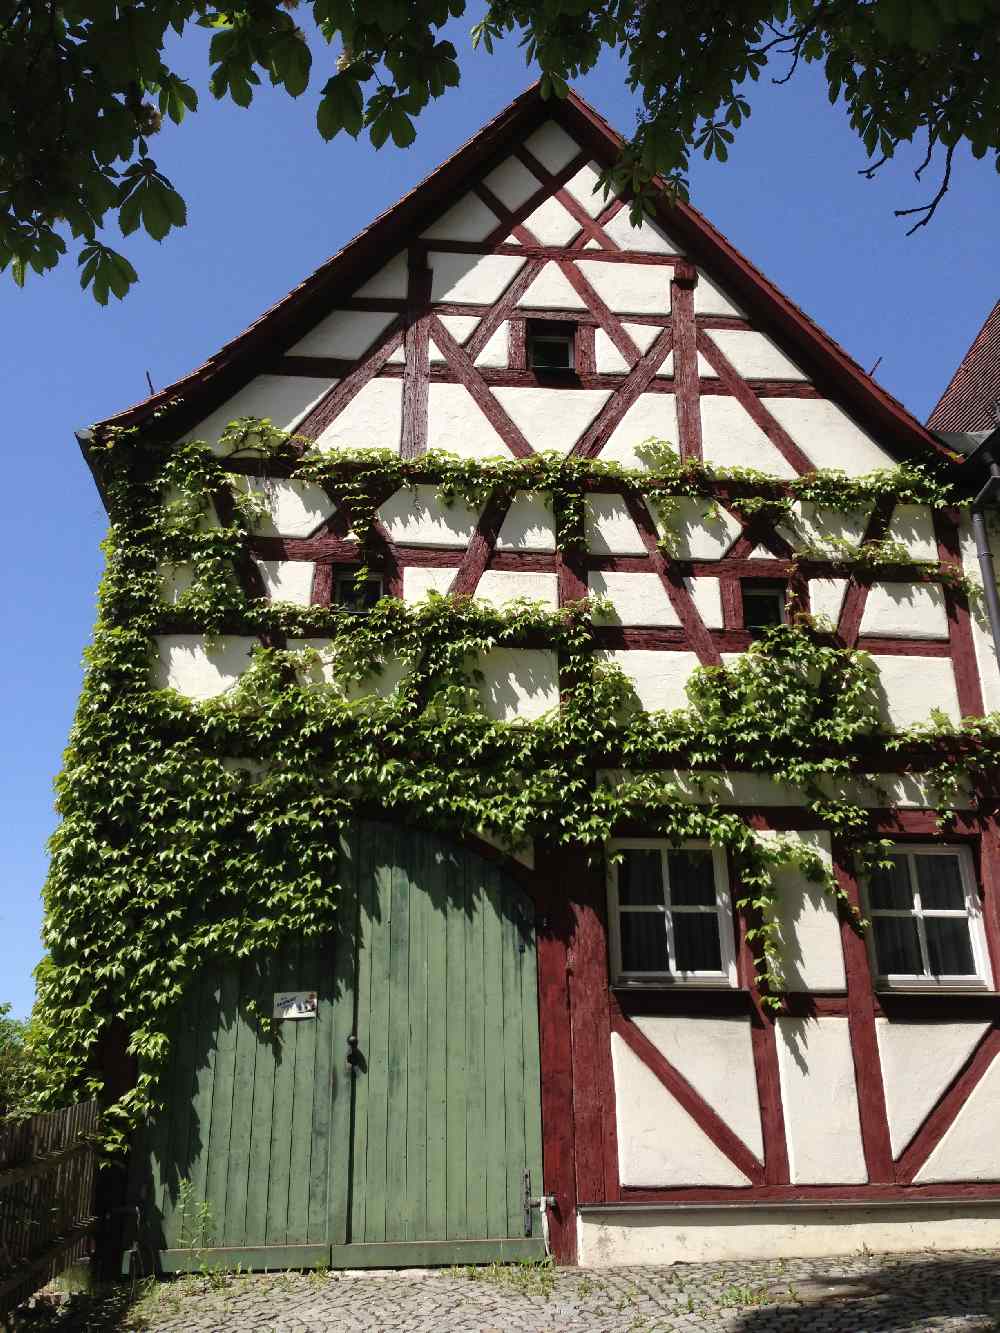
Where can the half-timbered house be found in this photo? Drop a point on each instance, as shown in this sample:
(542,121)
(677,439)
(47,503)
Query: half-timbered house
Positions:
(519,1044)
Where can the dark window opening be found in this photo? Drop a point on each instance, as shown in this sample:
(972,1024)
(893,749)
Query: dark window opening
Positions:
(763,604)
(352,596)
(549,345)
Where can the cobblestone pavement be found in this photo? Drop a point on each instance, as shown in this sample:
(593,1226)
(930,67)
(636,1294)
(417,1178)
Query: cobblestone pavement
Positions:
(957,1292)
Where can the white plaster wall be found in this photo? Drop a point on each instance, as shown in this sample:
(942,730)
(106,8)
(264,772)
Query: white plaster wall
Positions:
(175,580)
(475,278)
(608,526)
(552,146)
(826,597)
(709,300)
(519,684)
(500,587)
(551,224)
(918,1061)
(695,533)
(496,350)
(456,424)
(552,418)
(908,791)
(512,183)
(754,355)
(188,664)
(653,416)
(382,684)
(638,599)
(731,438)
(712,1235)
(970,1149)
(609,360)
(288,580)
(294,508)
(174,499)
(389,282)
(417,516)
(707,598)
(647,236)
(658,678)
(905,610)
(982,639)
(629,289)
(523,852)
(468,220)
(584,189)
(911,686)
(913,527)
(814,526)
(551,290)
(284,399)
(827,435)
(820,1103)
(810,948)
(659,1144)
(345,333)
(715,1055)
(705,370)
(419,581)
(370,420)
(528,525)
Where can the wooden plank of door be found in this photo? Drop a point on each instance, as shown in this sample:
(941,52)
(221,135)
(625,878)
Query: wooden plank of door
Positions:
(532,1058)
(439,910)
(320,1132)
(234,1231)
(455,1047)
(399,1040)
(417,849)
(195,1167)
(341,1089)
(475,991)
(496,1120)
(220,1135)
(299,1178)
(369,1221)
(181,1097)
(258,1156)
(513,1058)
(284,1041)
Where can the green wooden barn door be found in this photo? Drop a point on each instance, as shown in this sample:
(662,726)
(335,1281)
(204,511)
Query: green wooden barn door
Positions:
(273,1152)
(446,1118)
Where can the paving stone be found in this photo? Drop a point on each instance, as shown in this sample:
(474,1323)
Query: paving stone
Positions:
(923,1293)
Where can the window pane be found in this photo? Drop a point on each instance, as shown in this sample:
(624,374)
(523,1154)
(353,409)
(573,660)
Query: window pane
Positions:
(550,353)
(696,942)
(891,888)
(949,948)
(897,948)
(354,599)
(940,881)
(644,942)
(762,609)
(692,879)
(640,878)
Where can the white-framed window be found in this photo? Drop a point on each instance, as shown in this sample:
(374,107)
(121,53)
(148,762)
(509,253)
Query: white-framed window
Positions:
(926,921)
(670,914)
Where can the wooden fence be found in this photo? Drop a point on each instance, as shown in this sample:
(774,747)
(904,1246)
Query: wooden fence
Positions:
(46,1198)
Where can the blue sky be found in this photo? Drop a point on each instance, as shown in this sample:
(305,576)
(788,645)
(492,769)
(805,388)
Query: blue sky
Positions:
(268,202)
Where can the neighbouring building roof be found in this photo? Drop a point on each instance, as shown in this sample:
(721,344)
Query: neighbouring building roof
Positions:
(969,404)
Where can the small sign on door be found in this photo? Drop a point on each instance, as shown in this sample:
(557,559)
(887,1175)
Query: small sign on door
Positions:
(295,1004)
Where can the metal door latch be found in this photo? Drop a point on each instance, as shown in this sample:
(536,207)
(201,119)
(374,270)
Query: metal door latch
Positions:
(543,1203)
(353,1055)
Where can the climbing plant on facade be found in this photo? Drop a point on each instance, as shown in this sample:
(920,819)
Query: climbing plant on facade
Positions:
(192,830)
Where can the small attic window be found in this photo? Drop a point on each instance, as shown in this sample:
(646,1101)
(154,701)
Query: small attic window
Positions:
(549,344)
(347,594)
(763,604)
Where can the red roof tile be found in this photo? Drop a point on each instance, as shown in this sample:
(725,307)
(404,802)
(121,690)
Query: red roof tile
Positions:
(970,400)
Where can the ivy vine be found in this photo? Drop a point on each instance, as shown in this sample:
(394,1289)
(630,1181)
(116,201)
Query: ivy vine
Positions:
(191,831)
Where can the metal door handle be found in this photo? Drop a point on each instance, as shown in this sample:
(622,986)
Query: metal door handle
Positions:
(353,1055)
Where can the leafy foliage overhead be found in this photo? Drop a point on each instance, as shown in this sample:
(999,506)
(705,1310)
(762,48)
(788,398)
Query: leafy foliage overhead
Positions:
(85,84)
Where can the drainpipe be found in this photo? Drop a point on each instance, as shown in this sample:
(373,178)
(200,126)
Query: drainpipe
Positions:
(987,454)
